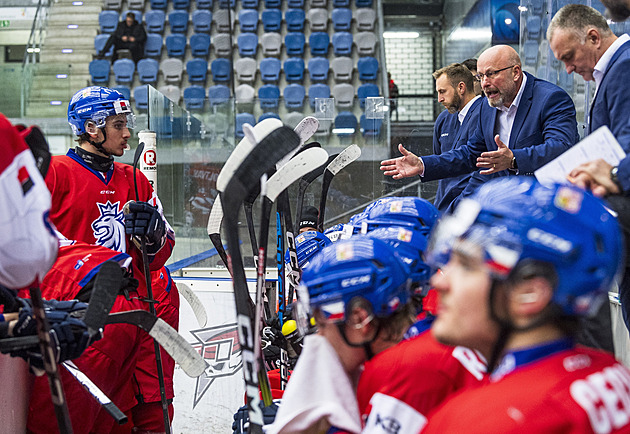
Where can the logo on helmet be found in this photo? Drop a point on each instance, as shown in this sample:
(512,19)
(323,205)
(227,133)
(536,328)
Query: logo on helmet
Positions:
(548,240)
(354,281)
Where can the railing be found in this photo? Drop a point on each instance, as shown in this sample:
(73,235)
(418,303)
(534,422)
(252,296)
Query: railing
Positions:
(33,48)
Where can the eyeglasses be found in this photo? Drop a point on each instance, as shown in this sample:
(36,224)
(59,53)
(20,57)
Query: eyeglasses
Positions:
(491,74)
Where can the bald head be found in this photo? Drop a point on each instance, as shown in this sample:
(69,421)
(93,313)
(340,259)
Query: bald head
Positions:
(499,69)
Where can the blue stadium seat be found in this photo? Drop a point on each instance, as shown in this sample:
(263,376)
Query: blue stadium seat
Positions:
(294,96)
(176,45)
(368,68)
(124,90)
(295,20)
(370,127)
(221,70)
(247,44)
(345,121)
(565,81)
(148,70)
(273,4)
(200,45)
(341,19)
(295,3)
(318,68)
(178,21)
(341,3)
(268,96)
(294,43)
(271,20)
(367,90)
(153,45)
(99,44)
(108,20)
(342,43)
(530,52)
(218,94)
(270,69)
(248,20)
(204,4)
(533,27)
(194,97)
(249,4)
(154,21)
(136,13)
(181,4)
(123,70)
(159,4)
(317,91)
(319,42)
(223,4)
(294,69)
(141,96)
(202,21)
(363,3)
(268,115)
(99,70)
(197,70)
(243,118)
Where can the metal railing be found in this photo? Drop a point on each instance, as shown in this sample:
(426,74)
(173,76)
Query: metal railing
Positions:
(33,49)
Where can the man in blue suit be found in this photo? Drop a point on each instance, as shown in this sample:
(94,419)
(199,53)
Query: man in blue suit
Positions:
(456,92)
(525,123)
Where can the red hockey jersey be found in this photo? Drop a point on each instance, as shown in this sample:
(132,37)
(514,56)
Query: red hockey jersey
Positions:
(401,385)
(577,390)
(88,205)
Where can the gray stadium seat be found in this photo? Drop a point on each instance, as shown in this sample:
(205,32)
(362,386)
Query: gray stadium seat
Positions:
(343,94)
(342,68)
(318,20)
(172,92)
(244,94)
(366,43)
(221,22)
(222,43)
(172,70)
(365,18)
(245,70)
(271,44)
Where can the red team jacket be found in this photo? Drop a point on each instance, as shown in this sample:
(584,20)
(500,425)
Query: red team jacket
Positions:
(574,390)
(401,385)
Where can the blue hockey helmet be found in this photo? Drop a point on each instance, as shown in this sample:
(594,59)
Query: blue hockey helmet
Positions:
(515,219)
(412,212)
(96,104)
(410,245)
(358,267)
(307,245)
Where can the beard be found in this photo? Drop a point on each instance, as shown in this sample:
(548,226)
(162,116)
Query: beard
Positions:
(617,11)
(454,105)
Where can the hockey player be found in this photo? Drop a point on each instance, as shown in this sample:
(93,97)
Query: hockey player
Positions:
(110,362)
(357,291)
(521,264)
(89,190)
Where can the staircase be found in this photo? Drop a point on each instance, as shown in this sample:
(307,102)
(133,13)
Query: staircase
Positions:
(48,82)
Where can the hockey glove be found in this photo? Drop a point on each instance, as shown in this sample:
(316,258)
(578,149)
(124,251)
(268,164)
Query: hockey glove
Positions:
(69,336)
(144,220)
(36,141)
(241,418)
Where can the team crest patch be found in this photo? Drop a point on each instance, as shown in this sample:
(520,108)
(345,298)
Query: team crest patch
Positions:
(109,227)
(568,199)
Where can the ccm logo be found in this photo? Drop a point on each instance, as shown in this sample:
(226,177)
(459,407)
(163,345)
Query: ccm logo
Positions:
(355,281)
(549,240)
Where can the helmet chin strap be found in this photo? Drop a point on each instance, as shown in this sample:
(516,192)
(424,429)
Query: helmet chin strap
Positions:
(99,145)
(366,345)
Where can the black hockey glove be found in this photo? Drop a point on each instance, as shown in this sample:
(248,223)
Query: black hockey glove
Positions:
(144,220)
(241,418)
(36,141)
(68,333)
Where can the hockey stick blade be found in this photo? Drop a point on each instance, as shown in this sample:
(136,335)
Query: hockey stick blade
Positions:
(93,389)
(300,164)
(106,289)
(306,128)
(305,182)
(172,342)
(344,158)
(194,302)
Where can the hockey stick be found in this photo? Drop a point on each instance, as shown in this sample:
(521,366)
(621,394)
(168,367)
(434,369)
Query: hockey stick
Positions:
(50,365)
(151,300)
(240,152)
(93,389)
(344,158)
(172,342)
(261,158)
(194,302)
(305,129)
(305,182)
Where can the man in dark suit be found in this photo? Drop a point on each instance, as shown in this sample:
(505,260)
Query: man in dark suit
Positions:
(525,123)
(129,35)
(456,92)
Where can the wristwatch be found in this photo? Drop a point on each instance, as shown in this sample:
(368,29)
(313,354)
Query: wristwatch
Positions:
(514,166)
(614,177)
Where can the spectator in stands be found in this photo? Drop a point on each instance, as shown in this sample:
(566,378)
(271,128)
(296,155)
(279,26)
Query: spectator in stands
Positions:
(393,95)
(454,85)
(471,64)
(129,35)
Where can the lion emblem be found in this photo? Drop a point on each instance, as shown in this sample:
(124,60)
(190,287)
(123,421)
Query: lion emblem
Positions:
(109,228)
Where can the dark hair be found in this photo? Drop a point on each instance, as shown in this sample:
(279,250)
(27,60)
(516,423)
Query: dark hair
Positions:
(471,64)
(457,73)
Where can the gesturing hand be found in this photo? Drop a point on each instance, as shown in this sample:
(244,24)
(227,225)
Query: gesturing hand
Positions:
(403,167)
(495,161)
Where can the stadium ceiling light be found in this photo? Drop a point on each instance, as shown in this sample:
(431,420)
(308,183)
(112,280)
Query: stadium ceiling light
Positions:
(343,130)
(32,50)
(55,102)
(79,3)
(62,76)
(73,26)
(67,50)
(522,8)
(508,21)
(400,35)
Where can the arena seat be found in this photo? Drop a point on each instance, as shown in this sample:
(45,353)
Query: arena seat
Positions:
(123,70)
(271,20)
(318,19)
(370,127)
(366,43)
(294,95)
(247,44)
(108,21)
(368,68)
(271,44)
(141,96)
(221,70)
(218,94)
(342,68)
(153,45)
(202,21)
(248,20)
(154,21)
(222,43)
(99,44)
(343,94)
(194,97)
(318,43)
(178,21)
(99,71)
(172,92)
(269,96)
(341,19)
(270,69)
(294,69)
(367,90)
(245,69)
(318,69)
(294,43)
(197,70)
(365,18)
(342,43)
(241,119)
(347,123)
(124,90)
(148,71)
(244,94)
(172,70)
(176,45)
(317,91)
(200,45)
(294,18)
